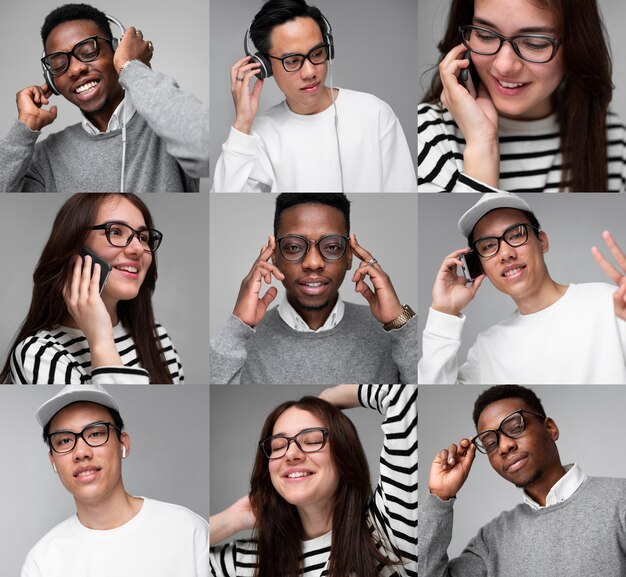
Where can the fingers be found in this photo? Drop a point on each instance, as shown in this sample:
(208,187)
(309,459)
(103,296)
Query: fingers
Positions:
(454,453)
(617,253)
(269,296)
(606,266)
(619,300)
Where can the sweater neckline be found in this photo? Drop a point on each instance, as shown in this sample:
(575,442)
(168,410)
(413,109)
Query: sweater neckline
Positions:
(509,126)
(330,111)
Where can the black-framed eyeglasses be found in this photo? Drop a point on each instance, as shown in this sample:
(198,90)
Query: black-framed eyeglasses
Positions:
(537,48)
(295,247)
(308,441)
(95,435)
(516,235)
(293,62)
(120,234)
(512,426)
(86,50)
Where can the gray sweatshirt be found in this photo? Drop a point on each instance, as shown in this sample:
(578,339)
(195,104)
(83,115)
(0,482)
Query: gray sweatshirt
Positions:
(583,536)
(357,350)
(167,146)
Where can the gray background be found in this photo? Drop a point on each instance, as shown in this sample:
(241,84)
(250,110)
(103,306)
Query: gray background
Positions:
(237,417)
(431,25)
(178,31)
(385,224)
(180,299)
(168,460)
(573,223)
(375,45)
(589,418)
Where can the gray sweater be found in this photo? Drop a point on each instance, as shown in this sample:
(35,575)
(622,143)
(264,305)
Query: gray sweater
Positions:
(583,536)
(357,350)
(167,146)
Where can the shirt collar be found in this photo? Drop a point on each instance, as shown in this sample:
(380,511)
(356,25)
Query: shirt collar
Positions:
(297,323)
(563,489)
(116,120)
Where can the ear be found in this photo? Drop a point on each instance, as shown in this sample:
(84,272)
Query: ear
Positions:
(349,257)
(54,467)
(125,442)
(543,239)
(553,430)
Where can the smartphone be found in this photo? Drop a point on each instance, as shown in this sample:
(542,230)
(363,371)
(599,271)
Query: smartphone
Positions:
(471,266)
(105,267)
(466,76)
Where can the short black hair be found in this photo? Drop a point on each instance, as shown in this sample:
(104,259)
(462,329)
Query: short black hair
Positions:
(115,415)
(288,199)
(69,12)
(532,219)
(500,392)
(276,12)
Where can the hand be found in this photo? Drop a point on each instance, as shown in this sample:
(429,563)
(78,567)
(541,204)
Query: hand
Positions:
(342,396)
(237,517)
(450,293)
(383,300)
(250,307)
(246,101)
(132,46)
(30,111)
(619,278)
(450,469)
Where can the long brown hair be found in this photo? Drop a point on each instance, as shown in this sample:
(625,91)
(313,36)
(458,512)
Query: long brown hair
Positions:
(278,529)
(47,307)
(582,99)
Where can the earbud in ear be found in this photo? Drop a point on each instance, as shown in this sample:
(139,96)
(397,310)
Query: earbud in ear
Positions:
(123,452)
(54,467)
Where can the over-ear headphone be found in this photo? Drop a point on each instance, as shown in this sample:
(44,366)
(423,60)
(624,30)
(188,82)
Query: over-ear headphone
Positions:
(266,65)
(49,78)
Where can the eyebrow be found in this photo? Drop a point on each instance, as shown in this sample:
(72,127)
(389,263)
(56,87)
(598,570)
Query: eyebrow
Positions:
(526,30)
(142,227)
(287,54)
(99,422)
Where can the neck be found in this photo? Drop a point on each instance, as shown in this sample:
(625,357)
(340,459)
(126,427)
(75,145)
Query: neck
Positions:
(314,318)
(100,119)
(324,102)
(548,293)
(316,521)
(539,490)
(110,512)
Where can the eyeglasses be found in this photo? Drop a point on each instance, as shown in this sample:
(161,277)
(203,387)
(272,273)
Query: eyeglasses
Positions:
(295,247)
(120,234)
(85,51)
(516,235)
(94,435)
(308,441)
(530,47)
(293,62)
(512,426)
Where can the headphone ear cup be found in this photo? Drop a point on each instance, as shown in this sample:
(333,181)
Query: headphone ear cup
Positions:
(266,66)
(331,44)
(49,81)
(115,43)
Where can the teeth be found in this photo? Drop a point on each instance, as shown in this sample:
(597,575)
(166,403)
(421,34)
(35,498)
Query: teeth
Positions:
(86,86)
(86,473)
(298,475)
(128,268)
(511,84)
(512,271)
(314,283)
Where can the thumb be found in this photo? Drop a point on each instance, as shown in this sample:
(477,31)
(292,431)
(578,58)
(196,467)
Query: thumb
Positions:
(269,296)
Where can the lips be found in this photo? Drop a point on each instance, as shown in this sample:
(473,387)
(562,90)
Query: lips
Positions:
(509,87)
(514,271)
(86,88)
(515,462)
(310,88)
(313,286)
(297,475)
(128,270)
(86,474)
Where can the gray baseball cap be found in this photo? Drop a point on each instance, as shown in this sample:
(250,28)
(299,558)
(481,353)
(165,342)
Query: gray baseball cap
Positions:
(488,202)
(72,394)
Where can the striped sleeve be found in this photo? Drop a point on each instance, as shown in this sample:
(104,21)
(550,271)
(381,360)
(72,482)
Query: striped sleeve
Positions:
(616,134)
(236,559)
(171,356)
(394,506)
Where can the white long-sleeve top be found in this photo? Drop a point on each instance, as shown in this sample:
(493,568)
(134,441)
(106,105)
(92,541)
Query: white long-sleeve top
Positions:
(576,340)
(289,152)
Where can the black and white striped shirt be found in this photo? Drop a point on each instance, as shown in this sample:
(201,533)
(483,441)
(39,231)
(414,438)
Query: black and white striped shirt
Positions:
(393,508)
(530,156)
(62,356)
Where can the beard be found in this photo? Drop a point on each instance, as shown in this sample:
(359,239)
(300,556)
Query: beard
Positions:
(530,481)
(313,307)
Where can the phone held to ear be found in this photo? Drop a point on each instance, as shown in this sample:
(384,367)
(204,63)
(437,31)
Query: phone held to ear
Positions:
(466,76)
(105,267)
(471,266)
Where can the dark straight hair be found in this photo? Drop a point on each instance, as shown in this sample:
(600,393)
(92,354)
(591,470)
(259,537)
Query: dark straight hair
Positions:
(581,101)
(278,529)
(47,308)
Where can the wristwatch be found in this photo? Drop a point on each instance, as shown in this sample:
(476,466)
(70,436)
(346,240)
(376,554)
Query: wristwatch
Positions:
(401,319)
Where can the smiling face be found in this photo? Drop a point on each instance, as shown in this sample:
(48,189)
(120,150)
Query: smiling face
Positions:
(303,89)
(312,284)
(103,93)
(306,480)
(519,89)
(90,474)
(519,272)
(131,263)
(530,461)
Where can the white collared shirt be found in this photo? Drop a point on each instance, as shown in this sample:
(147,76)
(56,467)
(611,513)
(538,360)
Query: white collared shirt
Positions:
(117,118)
(563,489)
(297,323)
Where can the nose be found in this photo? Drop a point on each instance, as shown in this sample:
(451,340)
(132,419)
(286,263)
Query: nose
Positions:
(313,260)
(507,252)
(308,69)
(134,247)
(506,444)
(293,451)
(506,61)
(81,450)
(76,68)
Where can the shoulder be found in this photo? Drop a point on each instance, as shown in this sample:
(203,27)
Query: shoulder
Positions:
(68,134)
(63,532)
(50,339)
(173,514)
(361,314)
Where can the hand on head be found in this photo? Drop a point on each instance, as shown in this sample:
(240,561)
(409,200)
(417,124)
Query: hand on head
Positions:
(30,102)
(450,469)
(132,46)
(616,275)
(246,100)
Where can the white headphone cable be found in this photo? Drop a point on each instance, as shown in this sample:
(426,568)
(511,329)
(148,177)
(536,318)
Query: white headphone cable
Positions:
(123,142)
(332,94)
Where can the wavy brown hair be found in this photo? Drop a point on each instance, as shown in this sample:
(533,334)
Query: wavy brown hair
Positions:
(47,307)
(278,529)
(582,99)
